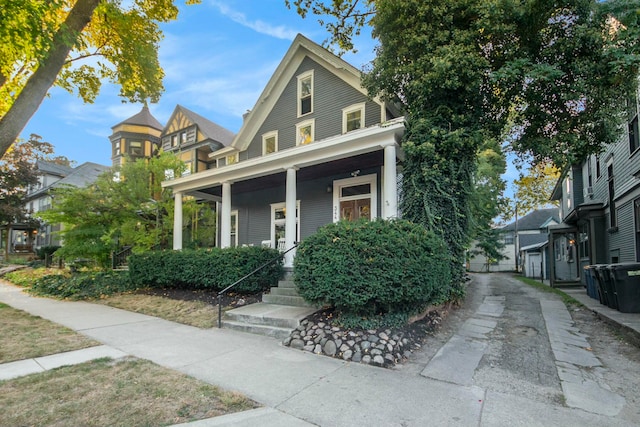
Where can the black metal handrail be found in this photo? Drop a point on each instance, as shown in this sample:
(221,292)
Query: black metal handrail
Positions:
(224,291)
(120,258)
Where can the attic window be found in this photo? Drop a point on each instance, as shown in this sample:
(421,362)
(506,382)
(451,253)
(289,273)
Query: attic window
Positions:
(174,140)
(305,93)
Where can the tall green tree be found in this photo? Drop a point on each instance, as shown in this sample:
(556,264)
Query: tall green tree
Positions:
(125,206)
(534,187)
(549,77)
(47,42)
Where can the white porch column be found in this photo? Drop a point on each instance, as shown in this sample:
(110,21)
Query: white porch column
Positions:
(225,216)
(390,189)
(177,221)
(290,218)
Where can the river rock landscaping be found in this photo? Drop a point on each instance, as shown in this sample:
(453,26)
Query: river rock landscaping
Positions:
(379,347)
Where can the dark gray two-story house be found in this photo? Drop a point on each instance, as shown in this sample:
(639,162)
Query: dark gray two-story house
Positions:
(314,149)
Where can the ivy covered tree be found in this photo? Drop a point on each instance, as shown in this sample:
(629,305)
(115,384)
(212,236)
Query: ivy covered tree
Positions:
(47,42)
(549,78)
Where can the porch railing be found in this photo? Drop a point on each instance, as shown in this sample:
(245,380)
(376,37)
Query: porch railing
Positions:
(237,282)
(119,258)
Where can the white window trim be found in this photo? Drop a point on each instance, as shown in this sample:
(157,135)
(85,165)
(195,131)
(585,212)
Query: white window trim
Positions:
(282,205)
(351,109)
(233,156)
(273,134)
(350,182)
(311,122)
(301,77)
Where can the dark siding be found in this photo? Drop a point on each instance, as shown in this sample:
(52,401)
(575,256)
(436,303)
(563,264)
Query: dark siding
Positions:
(331,95)
(578,193)
(624,238)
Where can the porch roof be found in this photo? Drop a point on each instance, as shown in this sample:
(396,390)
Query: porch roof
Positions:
(329,149)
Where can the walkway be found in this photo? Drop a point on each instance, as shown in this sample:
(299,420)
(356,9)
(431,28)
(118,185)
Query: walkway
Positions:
(300,389)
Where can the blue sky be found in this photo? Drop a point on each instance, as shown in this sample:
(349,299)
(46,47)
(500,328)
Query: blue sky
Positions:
(217,58)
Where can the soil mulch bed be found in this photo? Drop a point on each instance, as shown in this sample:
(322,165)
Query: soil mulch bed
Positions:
(230,299)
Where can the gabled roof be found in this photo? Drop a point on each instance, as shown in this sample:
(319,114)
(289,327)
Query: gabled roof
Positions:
(83,175)
(208,128)
(80,176)
(51,168)
(300,48)
(143,118)
(532,239)
(535,220)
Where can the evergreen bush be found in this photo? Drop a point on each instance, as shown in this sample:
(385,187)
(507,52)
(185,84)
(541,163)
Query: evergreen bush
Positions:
(213,269)
(84,285)
(375,273)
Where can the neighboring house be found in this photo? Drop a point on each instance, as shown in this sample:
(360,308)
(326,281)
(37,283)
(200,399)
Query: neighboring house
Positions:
(41,199)
(136,137)
(193,138)
(20,238)
(523,239)
(600,208)
(315,149)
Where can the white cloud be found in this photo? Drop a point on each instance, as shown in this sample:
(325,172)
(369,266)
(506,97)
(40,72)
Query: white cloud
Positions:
(277,31)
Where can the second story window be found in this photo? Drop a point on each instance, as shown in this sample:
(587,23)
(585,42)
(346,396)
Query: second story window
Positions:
(269,143)
(174,140)
(183,137)
(135,148)
(116,148)
(232,159)
(353,118)
(305,93)
(304,132)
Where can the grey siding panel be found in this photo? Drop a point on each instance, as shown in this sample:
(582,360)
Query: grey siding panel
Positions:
(624,239)
(330,96)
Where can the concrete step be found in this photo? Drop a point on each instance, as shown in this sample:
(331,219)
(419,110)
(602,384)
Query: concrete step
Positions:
(286,284)
(281,316)
(266,330)
(291,292)
(285,300)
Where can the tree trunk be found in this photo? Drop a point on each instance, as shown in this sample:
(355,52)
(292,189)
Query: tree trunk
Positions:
(36,88)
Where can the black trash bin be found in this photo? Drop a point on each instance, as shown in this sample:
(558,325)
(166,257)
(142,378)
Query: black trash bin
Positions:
(590,281)
(625,278)
(607,295)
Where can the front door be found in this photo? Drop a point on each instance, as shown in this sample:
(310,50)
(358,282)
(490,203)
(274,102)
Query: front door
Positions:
(354,198)
(353,210)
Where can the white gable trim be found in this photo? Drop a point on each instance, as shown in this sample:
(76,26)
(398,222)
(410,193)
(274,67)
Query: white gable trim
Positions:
(300,48)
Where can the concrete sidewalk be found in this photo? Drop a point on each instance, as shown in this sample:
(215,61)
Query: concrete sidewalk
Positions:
(298,388)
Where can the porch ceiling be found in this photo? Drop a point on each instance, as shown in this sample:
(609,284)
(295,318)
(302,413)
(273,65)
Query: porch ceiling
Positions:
(335,167)
(309,159)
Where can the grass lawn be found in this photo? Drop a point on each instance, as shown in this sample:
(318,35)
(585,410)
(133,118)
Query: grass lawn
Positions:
(23,336)
(126,392)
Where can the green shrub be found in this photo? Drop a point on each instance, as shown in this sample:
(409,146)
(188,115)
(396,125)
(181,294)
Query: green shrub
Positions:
(213,269)
(27,276)
(85,285)
(374,273)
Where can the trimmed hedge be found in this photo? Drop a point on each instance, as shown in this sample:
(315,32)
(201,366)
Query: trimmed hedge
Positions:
(213,269)
(375,273)
(85,285)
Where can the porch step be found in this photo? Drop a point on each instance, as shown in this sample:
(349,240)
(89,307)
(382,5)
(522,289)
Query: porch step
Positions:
(287,283)
(266,319)
(286,300)
(290,292)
